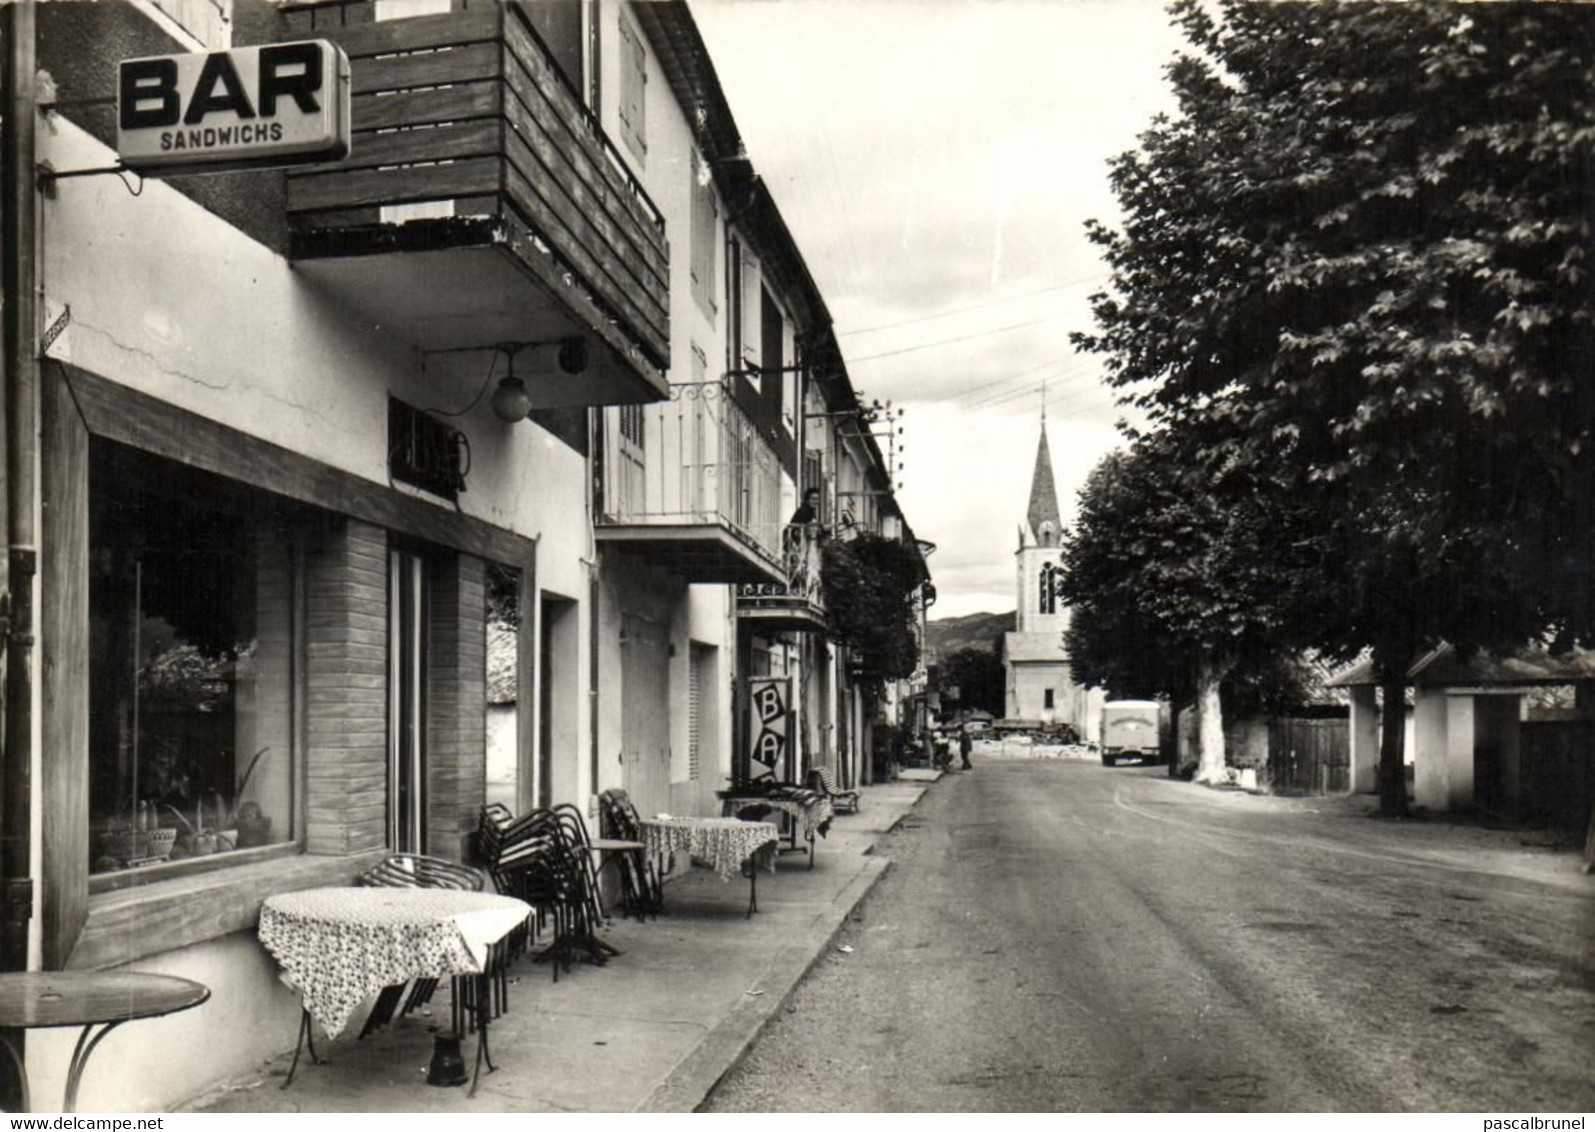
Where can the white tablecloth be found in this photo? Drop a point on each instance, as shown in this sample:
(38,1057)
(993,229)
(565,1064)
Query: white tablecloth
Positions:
(723,842)
(339,946)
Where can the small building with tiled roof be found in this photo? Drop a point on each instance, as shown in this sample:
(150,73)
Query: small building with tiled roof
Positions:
(1473,747)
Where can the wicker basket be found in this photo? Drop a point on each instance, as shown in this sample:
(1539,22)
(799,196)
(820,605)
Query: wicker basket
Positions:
(160,842)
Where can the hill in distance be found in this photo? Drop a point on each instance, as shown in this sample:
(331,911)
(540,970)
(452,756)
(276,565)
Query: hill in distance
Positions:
(971,631)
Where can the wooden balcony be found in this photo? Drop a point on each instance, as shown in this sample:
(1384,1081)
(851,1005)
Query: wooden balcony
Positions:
(692,486)
(482,203)
(797,602)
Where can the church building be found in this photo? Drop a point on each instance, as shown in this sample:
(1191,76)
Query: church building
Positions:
(1040,690)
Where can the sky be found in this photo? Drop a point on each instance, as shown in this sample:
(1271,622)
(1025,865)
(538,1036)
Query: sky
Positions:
(936,161)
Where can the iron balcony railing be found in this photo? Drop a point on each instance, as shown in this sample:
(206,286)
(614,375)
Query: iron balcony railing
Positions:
(802,592)
(696,459)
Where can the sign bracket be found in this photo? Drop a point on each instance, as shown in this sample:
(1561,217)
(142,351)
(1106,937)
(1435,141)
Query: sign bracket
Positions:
(47,177)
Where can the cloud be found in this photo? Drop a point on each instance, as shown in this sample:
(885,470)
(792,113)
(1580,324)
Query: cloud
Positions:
(937,161)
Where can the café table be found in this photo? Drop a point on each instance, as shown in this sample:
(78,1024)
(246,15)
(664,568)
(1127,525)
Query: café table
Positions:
(339,946)
(809,811)
(47,999)
(725,843)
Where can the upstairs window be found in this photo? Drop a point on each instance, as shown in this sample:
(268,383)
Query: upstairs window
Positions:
(633,90)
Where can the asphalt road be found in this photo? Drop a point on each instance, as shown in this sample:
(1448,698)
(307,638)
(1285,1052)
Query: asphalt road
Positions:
(1062,936)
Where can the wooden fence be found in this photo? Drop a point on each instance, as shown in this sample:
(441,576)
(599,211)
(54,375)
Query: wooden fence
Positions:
(1558,760)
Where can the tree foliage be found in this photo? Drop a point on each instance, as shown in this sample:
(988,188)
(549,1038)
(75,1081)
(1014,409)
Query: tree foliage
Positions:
(1183,571)
(979,676)
(870,581)
(1355,266)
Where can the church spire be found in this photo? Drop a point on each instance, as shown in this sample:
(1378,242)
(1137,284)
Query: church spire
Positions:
(1043,510)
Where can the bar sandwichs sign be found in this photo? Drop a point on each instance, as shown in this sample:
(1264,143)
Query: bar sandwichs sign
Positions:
(247,108)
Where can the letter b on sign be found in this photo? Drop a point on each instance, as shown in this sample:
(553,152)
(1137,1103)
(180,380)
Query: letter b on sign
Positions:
(149,98)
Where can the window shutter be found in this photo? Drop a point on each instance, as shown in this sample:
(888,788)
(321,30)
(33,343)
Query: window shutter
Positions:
(633,82)
(751,337)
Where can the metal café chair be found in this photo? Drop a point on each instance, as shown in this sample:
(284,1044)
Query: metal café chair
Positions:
(640,887)
(531,857)
(414,870)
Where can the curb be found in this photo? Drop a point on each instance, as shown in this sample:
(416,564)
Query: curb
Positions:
(690,1082)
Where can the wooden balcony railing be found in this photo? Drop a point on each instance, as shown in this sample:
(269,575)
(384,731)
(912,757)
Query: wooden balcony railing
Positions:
(466,129)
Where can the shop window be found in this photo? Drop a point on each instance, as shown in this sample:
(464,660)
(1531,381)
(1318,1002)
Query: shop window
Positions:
(194,593)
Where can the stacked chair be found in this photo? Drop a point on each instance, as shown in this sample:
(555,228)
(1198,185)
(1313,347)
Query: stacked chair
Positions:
(542,857)
(641,891)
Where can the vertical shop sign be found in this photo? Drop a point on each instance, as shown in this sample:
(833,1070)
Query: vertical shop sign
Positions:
(772,713)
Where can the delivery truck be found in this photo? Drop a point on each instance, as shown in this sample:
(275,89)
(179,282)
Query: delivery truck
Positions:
(1129,731)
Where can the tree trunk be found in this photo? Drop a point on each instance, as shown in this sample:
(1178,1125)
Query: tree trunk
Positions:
(1209,719)
(1391,673)
(1589,843)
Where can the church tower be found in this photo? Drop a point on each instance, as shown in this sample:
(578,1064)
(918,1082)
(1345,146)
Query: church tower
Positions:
(1040,556)
(1040,690)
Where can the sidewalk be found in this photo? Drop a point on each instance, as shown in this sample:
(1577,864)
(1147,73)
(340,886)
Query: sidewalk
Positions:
(652,1031)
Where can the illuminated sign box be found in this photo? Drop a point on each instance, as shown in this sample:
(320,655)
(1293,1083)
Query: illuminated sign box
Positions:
(248,108)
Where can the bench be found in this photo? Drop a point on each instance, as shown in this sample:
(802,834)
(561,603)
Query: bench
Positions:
(821,782)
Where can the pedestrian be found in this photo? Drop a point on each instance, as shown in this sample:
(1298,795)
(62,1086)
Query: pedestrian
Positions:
(965,745)
(808,511)
(805,517)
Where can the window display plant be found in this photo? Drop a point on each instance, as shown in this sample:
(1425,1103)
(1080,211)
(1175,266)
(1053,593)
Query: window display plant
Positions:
(218,824)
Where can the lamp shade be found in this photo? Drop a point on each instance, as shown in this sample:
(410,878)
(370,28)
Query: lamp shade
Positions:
(511,402)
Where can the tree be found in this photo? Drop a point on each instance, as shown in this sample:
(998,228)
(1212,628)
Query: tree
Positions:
(1180,572)
(1355,262)
(979,676)
(869,583)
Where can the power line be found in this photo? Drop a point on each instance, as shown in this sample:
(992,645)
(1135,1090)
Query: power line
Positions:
(990,388)
(960,338)
(976,306)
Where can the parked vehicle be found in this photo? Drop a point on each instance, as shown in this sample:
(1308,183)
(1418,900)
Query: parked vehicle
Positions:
(1129,731)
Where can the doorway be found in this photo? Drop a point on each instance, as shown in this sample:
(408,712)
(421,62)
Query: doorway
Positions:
(645,713)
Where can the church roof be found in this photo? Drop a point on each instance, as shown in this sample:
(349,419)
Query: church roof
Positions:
(1043,492)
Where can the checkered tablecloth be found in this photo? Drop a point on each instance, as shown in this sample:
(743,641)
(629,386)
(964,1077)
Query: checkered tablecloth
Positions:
(339,946)
(811,812)
(725,843)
